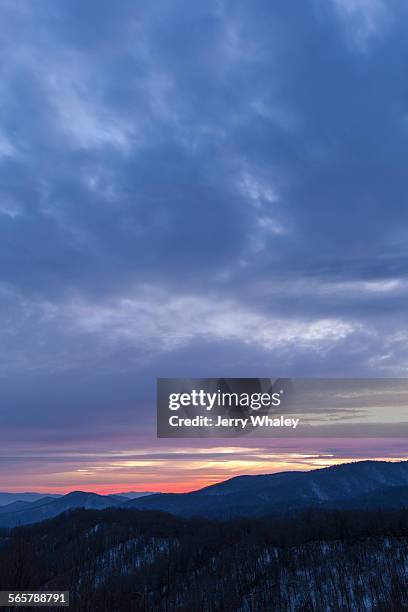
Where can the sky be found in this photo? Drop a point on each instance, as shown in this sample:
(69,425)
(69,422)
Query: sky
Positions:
(193,189)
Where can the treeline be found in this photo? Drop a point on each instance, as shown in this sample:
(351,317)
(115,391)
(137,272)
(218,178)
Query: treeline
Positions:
(120,560)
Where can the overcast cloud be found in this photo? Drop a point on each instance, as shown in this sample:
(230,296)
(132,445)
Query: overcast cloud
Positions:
(211,188)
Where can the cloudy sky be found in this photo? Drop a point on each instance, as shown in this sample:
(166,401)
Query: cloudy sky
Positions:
(193,189)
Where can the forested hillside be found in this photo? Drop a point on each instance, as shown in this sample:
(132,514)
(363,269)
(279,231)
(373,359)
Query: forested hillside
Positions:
(119,560)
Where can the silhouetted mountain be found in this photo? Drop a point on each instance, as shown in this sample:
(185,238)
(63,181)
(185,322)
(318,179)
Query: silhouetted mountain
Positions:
(365,484)
(135,494)
(384,497)
(18,506)
(8,498)
(14,506)
(48,507)
(285,491)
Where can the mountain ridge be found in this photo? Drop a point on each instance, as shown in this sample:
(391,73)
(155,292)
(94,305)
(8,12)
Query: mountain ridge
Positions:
(7,497)
(258,495)
(355,484)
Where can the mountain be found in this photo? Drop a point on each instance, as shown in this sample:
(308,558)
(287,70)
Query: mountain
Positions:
(384,498)
(14,506)
(117,560)
(135,494)
(19,505)
(253,496)
(364,484)
(8,498)
(49,507)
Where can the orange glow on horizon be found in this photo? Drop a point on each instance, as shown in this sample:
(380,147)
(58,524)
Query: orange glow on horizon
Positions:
(183,475)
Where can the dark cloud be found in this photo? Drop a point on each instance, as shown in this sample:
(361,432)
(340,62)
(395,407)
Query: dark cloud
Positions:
(193,190)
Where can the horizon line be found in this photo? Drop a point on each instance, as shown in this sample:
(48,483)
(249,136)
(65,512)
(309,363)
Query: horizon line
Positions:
(107,493)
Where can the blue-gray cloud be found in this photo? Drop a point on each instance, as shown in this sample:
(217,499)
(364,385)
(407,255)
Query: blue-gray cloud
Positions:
(197,189)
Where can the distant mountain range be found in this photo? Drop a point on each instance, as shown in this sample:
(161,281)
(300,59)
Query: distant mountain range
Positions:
(359,484)
(8,498)
(364,484)
(135,494)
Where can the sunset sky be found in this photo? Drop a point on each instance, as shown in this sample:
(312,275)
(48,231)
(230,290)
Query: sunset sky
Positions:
(193,189)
